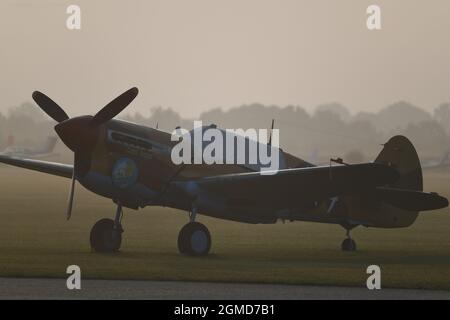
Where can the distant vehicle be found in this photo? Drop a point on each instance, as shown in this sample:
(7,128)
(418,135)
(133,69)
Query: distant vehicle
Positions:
(443,163)
(131,165)
(40,151)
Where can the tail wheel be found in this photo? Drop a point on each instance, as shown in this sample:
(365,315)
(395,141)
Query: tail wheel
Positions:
(348,245)
(194,239)
(105,237)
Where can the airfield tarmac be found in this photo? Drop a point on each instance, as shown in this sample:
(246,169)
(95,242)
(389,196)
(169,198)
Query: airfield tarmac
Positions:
(32,288)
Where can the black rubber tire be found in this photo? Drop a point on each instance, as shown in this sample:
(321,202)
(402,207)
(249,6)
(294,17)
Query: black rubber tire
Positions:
(194,239)
(104,237)
(348,245)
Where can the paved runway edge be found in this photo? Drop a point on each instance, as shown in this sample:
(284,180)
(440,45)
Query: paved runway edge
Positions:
(36,288)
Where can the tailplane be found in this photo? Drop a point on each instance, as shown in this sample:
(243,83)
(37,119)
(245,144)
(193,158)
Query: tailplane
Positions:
(400,202)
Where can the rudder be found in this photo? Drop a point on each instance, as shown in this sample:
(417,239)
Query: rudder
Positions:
(400,153)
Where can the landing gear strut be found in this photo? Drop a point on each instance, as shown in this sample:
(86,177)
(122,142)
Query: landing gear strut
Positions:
(194,238)
(106,234)
(348,244)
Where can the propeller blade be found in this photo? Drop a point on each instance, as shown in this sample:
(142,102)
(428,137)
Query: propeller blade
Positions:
(71,193)
(116,106)
(50,107)
(271,130)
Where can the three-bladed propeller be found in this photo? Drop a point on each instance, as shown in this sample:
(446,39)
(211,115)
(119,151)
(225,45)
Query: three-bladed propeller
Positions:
(80,133)
(112,109)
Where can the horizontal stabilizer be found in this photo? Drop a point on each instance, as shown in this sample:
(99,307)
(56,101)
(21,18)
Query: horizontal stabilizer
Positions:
(411,200)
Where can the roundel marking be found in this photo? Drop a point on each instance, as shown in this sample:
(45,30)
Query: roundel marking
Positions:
(124,173)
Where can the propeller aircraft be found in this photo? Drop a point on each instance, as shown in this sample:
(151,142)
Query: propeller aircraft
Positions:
(43,150)
(131,165)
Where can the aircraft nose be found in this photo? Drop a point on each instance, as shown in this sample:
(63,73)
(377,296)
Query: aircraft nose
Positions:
(77,134)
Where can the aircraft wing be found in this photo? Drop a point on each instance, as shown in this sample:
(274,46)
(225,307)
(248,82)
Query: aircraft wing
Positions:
(300,185)
(57,169)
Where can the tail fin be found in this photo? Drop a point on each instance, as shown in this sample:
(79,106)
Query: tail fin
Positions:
(400,153)
(400,202)
(46,147)
(51,142)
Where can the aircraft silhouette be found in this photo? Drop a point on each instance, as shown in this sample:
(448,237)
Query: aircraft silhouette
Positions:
(131,165)
(42,150)
(441,163)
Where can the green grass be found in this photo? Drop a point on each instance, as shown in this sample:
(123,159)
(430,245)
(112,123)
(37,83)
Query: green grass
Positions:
(37,241)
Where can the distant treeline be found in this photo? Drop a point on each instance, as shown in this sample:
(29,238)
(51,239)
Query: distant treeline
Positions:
(330,131)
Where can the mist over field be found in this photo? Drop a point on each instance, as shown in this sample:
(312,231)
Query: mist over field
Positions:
(256,60)
(330,131)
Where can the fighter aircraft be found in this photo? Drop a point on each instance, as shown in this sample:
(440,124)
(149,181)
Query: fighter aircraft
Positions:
(41,151)
(432,164)
(131,165)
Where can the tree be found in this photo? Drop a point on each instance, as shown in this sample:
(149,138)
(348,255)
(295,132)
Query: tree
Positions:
(442,115)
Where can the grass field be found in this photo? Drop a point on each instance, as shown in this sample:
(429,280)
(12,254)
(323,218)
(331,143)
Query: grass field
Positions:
(37,241)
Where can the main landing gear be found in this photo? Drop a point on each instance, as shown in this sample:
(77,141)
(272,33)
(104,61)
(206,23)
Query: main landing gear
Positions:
(106,234)
(194,238)
(348,244)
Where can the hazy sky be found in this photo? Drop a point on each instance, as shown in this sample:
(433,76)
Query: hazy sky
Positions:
(193,55)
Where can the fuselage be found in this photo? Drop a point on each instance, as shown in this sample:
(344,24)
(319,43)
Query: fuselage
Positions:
(131,164)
